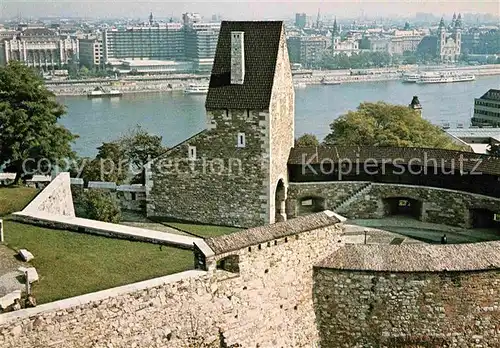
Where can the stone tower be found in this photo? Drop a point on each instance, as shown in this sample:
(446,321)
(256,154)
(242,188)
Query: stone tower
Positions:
(441,39)
(234,172)
(457,36)
(335,35)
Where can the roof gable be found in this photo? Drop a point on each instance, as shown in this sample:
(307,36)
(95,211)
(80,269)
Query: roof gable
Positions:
(261,43)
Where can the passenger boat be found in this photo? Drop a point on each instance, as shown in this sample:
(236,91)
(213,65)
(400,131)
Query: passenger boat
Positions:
(101,92)
(300,85)
(196,89)
(445,77)
(411,77)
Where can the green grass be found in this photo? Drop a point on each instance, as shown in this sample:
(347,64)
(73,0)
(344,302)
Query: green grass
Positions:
(15,198)
(71,264)
(203,231)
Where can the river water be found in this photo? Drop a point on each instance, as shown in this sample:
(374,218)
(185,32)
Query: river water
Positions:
(176,116)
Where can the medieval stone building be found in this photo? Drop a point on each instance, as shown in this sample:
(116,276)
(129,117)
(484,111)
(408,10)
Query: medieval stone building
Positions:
(235,171)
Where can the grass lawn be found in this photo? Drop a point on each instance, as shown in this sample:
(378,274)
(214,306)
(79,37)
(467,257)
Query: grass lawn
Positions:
(71,264)
(203,231)
(15,198)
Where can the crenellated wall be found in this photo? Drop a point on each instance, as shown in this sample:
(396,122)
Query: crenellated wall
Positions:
(267,303)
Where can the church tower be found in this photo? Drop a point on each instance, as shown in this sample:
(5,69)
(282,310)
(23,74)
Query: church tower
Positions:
(441,39)
(457,36)
(234,172)
(335,35)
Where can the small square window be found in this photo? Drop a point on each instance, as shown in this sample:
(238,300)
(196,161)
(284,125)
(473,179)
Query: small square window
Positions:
(241,140)
(192,152)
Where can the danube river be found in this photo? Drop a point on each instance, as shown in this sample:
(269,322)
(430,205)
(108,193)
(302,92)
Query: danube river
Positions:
(176,116)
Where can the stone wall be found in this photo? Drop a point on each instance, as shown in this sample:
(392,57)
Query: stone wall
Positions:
(373,309)
(223,185)
(268,303)
(281,128)
(55,199)
(438,205)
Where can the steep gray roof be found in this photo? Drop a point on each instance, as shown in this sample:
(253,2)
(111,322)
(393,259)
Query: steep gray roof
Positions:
(263,234)
(415,257)
(261,40)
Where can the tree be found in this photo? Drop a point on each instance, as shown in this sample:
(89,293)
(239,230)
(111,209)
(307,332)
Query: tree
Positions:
(31,139)
(97,205)
(494,149)
(307,140)
(382,124)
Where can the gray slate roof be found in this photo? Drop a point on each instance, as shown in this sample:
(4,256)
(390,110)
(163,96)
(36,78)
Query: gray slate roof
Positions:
(263,234)
(415,257)
(261,51)
(444,158)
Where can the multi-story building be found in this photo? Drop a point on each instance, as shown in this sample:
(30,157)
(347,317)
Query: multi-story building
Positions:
(300,20)
(200,42)
(376,44)
(160,41)
(90,52)
(39,47)
(487,109)
(405,41)
(307,50)
(449,44)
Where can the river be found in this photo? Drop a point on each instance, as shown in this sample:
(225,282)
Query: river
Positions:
(176,116)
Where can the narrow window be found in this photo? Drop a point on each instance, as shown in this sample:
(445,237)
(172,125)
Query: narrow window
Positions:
(241,139)
(192,152)
(133,196)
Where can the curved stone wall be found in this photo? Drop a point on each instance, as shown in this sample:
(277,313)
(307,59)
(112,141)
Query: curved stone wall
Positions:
(438,205)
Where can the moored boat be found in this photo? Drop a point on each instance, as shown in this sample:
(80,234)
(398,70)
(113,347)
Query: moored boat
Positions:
(411,77)
(100,92)
(324,81)
(196,89)
(445,77)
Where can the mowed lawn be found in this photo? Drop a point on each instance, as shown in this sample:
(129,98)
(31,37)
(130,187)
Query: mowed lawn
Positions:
(203,231)
(71,264)
(15,198)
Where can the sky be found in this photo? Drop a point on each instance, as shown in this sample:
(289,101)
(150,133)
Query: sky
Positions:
(240,9)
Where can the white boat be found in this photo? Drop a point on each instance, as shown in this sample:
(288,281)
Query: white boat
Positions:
(411,77)
(196,89)
(445,77)
(300,85)
(100,92)
(324,81)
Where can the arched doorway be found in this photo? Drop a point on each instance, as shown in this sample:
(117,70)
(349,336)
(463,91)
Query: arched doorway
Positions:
(483,218)
(309,205)
(279,202)
(403,206)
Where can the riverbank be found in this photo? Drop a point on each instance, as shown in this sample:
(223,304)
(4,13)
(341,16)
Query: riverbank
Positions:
(143,84)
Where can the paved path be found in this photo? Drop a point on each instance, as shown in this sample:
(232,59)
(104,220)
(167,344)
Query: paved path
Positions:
(429,232)
(8,271)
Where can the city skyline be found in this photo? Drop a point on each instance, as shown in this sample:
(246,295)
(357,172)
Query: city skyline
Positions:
(244,10)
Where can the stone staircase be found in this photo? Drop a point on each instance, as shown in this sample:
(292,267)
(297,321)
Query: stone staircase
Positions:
(338,208)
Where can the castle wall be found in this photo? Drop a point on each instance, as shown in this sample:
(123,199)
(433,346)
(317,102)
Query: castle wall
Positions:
(56,198)
(268,303)
(223,185)
(439,205)
(281,123)
(372,309)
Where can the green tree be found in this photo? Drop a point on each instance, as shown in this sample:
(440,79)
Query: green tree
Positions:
(494,149)
(30,137)
(97,205)
(382,124)
(307,140)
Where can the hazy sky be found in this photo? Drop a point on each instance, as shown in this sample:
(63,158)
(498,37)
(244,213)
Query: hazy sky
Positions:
(240,9)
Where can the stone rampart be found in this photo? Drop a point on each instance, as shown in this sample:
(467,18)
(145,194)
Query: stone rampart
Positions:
(438,205)
(409,296)
(56,198)
(263,297)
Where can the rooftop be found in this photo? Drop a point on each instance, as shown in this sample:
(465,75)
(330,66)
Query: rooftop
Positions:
(261,41)
(263,234)
(358,154)
(415,257)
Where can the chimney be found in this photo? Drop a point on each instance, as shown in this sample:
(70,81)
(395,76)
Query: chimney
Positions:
(237,57)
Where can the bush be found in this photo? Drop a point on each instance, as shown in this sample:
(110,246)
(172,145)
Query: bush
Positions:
(97,205)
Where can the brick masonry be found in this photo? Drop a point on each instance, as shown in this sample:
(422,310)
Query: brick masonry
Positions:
(438,205)
(382,309)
